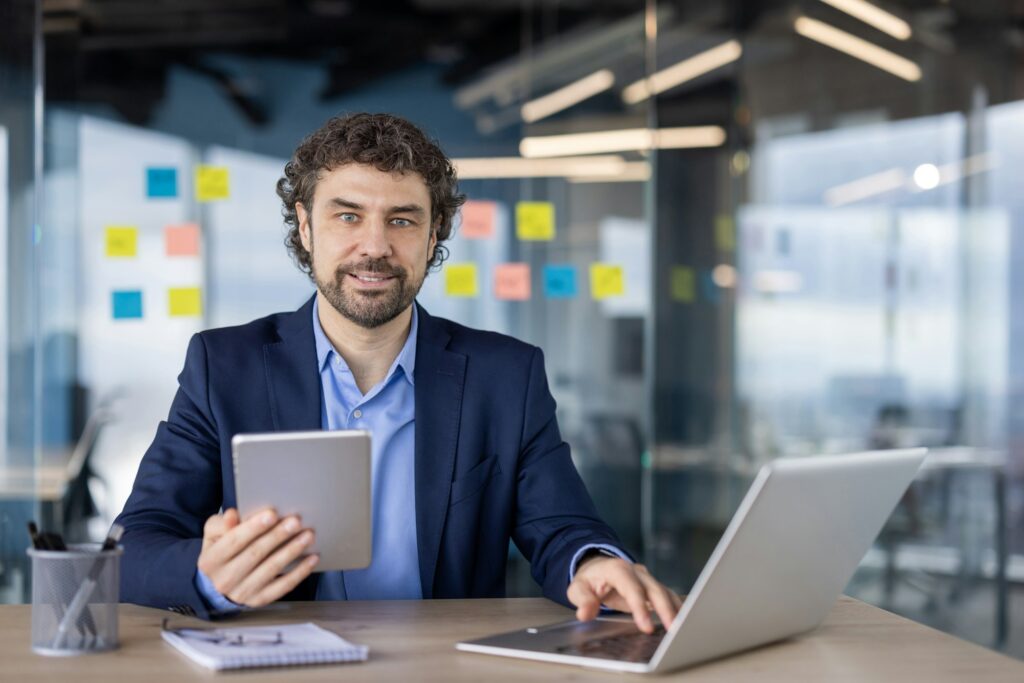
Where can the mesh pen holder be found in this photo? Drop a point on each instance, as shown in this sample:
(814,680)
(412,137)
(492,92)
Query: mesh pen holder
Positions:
(74,599)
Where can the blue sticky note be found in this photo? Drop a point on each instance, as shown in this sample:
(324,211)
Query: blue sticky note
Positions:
(127,304)
(560,281)
(162,182)
(708,288)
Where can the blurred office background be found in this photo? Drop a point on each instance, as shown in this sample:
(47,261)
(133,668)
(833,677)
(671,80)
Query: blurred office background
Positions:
(796,227)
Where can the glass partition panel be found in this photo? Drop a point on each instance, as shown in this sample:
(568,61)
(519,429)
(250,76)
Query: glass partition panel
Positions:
(838,276)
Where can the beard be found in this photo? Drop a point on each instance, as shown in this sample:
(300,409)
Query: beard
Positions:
(370,308)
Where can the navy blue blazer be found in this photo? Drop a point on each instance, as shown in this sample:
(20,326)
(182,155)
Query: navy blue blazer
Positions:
(490,462)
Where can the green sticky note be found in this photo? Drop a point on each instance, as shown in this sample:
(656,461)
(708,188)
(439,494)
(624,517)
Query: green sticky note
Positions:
(725,232)
(682,284)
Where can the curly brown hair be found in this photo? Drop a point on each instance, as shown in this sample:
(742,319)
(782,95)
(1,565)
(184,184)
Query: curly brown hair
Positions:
(388,143)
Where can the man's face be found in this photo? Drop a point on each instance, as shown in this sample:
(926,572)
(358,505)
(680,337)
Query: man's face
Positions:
(370,237)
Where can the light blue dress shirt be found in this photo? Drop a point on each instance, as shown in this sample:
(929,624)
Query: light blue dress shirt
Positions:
(388,412)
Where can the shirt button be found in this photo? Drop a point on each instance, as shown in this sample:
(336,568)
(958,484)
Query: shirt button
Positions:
(357,413)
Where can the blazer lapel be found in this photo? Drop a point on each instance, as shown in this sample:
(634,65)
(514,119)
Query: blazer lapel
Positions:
(293,379)
(440,375)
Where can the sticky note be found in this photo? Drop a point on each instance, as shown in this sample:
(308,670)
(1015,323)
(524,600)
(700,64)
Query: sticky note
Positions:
(535,221)
(126,304)
(122,241)
(725,232)
(161,182)
(460,280)
(606,281)
(708,288)
(560,281)
(478,218)
(512,281)
(185,301)
(212,183)
(182,240)
(683,284)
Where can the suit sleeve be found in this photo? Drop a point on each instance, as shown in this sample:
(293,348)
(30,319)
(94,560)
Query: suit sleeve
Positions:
(555,517)
(178,486)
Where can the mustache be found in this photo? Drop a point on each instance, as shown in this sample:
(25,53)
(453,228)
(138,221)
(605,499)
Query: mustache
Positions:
(375,266)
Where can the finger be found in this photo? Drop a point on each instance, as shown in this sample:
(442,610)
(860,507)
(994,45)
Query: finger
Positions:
(587,602)
(625,582)
(273,566)
(660,598)
(231,518)
(284,584)
(235,570)
(234,540)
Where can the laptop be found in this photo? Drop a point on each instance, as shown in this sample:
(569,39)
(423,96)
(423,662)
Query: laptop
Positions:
(788,552)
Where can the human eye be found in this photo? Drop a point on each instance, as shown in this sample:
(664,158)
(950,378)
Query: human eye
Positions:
(347,217)
(401,222)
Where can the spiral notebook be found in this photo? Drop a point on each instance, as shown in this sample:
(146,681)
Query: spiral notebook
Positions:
(260,646)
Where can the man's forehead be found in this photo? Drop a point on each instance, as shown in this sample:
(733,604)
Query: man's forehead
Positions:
(354,169)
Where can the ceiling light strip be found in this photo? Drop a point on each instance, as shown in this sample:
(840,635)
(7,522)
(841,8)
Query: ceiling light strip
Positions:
(623,140)
(874,16)
(683,71)
(572,94)
(858,48)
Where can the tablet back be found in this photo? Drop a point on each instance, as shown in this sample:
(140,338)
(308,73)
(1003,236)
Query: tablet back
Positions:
(322,476)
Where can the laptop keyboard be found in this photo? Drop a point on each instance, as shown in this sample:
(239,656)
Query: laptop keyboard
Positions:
(629,647)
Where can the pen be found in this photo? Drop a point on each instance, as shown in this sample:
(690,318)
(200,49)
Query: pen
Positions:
(37,541)
(78,603)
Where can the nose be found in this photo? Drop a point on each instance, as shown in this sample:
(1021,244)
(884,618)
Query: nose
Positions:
(375,243)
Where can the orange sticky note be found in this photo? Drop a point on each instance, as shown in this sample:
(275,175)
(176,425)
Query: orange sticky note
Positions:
(512,281)
(182,240)
(478,218)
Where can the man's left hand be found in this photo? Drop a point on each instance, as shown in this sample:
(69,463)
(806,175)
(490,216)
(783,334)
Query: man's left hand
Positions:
(622,586)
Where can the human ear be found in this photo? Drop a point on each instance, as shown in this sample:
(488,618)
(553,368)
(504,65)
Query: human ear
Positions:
(305,226)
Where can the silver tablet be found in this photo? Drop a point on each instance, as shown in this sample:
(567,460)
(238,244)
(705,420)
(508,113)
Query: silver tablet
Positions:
(322,476)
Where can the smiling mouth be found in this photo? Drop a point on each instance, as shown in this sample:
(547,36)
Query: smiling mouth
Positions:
(371,279)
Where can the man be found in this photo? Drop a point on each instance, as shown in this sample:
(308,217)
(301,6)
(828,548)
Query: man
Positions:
(466,448)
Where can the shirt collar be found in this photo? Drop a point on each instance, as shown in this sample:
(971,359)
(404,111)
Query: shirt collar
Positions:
(406,359)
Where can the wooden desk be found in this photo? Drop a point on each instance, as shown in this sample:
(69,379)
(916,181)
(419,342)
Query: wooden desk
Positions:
(413,640)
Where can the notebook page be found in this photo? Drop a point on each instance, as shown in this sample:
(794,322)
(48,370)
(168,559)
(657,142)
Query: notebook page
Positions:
(302,644)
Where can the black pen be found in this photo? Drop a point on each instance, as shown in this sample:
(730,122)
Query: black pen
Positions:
(37,541)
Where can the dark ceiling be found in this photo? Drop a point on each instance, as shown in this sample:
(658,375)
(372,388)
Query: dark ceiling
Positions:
(119,52)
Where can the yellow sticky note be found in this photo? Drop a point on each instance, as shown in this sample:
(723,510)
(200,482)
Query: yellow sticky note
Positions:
(460,280)
(212,183)
(122,241)
(606,280)
(725,232)
(535,221)
(683,284)
(185,301)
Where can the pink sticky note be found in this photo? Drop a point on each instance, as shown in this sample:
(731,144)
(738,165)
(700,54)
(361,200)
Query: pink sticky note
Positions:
(478,219)
(512,281)
(182,240)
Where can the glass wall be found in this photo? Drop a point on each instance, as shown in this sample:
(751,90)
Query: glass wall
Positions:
(735,237)
(852,244)
(20,487)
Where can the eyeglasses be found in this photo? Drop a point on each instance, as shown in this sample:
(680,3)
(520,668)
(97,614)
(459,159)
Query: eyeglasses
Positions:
(221,636)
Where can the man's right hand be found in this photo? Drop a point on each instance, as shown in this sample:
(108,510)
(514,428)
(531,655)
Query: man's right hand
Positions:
(245,559)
